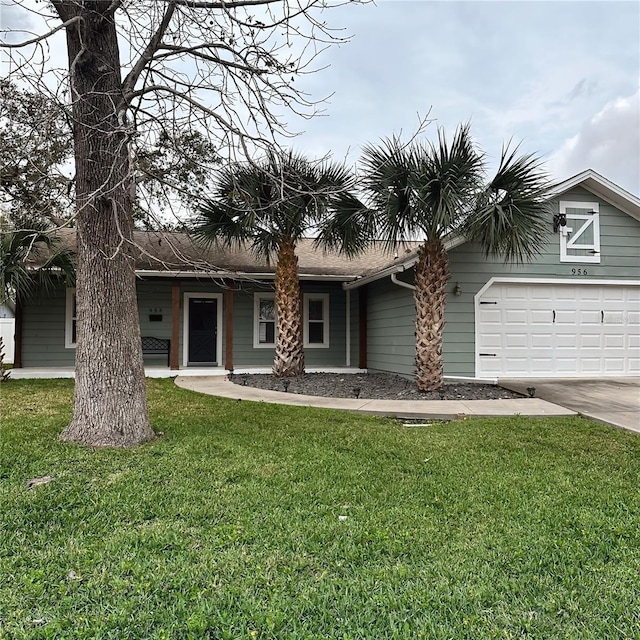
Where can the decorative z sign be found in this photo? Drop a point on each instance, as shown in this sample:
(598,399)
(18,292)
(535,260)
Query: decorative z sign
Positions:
(580,237)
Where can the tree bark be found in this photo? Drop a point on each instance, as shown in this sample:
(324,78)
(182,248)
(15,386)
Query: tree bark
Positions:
(432,275)
(289,356)
(110,407)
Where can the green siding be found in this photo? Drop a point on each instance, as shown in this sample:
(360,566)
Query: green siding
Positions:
(391,310)
(244,355)
(390,328)
(619,260)
(44,324)
(390,336)
(155,297)
(43,328)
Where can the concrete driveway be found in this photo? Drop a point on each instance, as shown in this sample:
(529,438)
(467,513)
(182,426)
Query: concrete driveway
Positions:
(612,400)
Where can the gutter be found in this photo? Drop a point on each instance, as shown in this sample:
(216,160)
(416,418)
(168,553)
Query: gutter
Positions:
(401,283)
(451,242)
(388,271)
(235,275)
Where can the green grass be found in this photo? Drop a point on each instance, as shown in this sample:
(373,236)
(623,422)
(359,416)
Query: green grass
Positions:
(228,525)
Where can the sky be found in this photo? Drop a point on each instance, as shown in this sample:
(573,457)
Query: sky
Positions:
(560,77)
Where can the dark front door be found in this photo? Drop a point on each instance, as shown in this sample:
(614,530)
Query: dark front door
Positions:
(203,317)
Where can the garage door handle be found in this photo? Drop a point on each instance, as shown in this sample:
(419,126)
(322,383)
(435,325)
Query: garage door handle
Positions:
(554,316)
(602,317)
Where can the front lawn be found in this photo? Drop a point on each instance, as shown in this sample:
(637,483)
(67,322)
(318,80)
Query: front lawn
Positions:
(249,520)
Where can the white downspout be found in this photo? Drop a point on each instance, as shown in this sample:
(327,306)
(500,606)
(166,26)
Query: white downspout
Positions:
(400,283)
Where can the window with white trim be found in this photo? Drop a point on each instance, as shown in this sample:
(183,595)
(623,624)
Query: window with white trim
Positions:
(580,236)
(264,320)
(70,327)
(316,320)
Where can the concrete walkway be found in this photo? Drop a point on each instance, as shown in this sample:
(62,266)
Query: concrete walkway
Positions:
(615,401)
(420,409)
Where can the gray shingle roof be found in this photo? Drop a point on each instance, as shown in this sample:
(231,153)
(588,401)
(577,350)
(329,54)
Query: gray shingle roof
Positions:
(173,253)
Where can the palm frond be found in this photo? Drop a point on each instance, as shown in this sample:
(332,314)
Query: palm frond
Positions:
(511,215)
(450,176)
(32,261)
(348,229)
(282,196)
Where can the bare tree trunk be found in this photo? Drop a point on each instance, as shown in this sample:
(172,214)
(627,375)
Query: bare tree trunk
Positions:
(289,357)
(110,406)
(432,275)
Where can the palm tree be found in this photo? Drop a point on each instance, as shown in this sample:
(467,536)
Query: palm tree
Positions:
(269,206)
(434,191)
(31,260)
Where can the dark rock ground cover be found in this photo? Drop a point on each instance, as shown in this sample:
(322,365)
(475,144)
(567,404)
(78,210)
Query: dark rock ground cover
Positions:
(381,386)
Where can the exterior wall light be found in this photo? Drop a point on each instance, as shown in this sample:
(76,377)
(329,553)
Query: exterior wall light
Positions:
(457,291)
(559,220)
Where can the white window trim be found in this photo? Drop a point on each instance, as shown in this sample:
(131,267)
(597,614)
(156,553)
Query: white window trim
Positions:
(68,320)
(568,242)
(256,321)
(325,309)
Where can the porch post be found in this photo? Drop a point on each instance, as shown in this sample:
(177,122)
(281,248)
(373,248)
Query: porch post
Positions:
(228,326)
(174,357)
(362,327)
(17,336)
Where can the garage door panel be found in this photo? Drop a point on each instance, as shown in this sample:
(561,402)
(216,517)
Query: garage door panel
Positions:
(540,340)
(539,365)
(590,365)
(491,341)
(566,317)
(633,341)
(558,329)
(541,317)
(587,296)
(516,341)
(589,317)
(613,366)
(590,340)
(516,316)
(613,341)
(490,316)
(564,341)
(614,317)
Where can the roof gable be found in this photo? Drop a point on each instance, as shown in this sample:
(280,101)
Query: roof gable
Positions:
(602,188)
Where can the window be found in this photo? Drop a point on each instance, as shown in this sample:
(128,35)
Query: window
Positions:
(316,320)
(70,320)
(264,322)
(580,237)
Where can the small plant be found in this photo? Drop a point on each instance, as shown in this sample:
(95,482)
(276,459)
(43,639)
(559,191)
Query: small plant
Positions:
(4,373)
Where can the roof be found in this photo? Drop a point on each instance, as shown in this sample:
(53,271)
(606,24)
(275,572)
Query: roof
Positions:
(173,254)
(603,188)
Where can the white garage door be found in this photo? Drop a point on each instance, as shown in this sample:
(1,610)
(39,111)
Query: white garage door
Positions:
(560,330)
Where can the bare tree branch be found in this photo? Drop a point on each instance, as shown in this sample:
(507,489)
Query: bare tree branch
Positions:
(44,36)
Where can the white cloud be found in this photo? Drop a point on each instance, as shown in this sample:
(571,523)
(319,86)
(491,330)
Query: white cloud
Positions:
(609,143)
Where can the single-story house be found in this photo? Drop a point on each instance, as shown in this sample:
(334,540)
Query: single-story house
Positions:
(574,311)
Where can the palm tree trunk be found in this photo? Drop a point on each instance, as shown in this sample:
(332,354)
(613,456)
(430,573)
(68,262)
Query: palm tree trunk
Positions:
(432,275)
(289,357)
